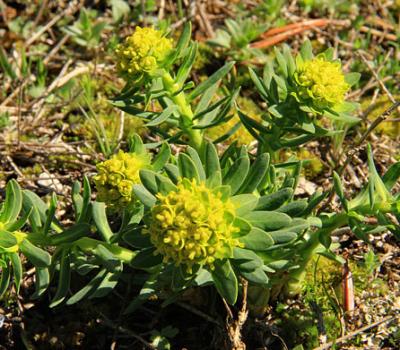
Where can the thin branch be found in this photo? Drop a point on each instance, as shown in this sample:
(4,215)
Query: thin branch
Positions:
(199,313)
(356,332)
(105,321)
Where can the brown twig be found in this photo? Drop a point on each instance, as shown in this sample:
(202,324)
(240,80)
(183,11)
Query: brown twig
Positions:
(234,326)
(105,321)
(199,313)
(277,35)
(70,10)
(356,332)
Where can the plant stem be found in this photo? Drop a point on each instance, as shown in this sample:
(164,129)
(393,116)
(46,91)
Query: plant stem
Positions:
(195,136)
(89,244)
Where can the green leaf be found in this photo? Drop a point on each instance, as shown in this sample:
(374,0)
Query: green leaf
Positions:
(6,66)
(315,199)
(215,180)
(197,162)
(259,84)
(4,279)
(136,145)
(332,256)
(299,224)
(71,234)
(291,65)
(182,44)
(17,269)
(339,190)
(257,240)
(18,224)
(144,195)
(283,236)
(391,176)
(148,289)
(77,200)
(243,225)
(187,168)
(87,192)
(64,279)
(237,174)
(376,184)
(106,256)
(295,208)
(282,62)
(250,123)
(352,78)
(213,79)
(279,264)
(163,116)
(148,180)
(164,184)
(119,9)
(258,276)
(107,284)
(100,219)
(225,281)
(246,260)
(89,289)
(50,214)
(268,220)
(218,115)
(212,164)
(172,172)
(206,99)
(306,50)
(35,255)
(257,173)
(244,203)
(13,203)
(135,238)
(7,240)
(274,200)
(42,281)
(162,157)
(325,238)
(146,259)
(186,66)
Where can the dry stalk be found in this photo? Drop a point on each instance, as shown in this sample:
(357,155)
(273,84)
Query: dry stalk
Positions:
(234,326)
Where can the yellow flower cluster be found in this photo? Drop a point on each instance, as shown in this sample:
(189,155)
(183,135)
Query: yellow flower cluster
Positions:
(116,177)
(142,52)
(321,81)
(193,225)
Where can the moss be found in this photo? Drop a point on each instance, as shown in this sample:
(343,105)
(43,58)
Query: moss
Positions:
(204,55)
(391,129)
(322,290)
(312,165)
(34,170)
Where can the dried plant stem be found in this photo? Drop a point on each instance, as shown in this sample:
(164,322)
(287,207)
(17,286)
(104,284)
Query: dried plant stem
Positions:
(105,321)
(234,326)
(356,332)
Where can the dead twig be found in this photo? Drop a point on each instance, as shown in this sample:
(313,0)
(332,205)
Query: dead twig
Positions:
(199,313)
(70,10)
(356,332)
(234,326)
(277,35)
(105,321)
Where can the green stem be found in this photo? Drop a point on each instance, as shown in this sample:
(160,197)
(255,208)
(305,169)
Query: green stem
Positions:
(308,250)
(195,136)
(89,244)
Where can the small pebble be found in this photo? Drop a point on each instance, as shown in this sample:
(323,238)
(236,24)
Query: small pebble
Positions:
(2,319)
